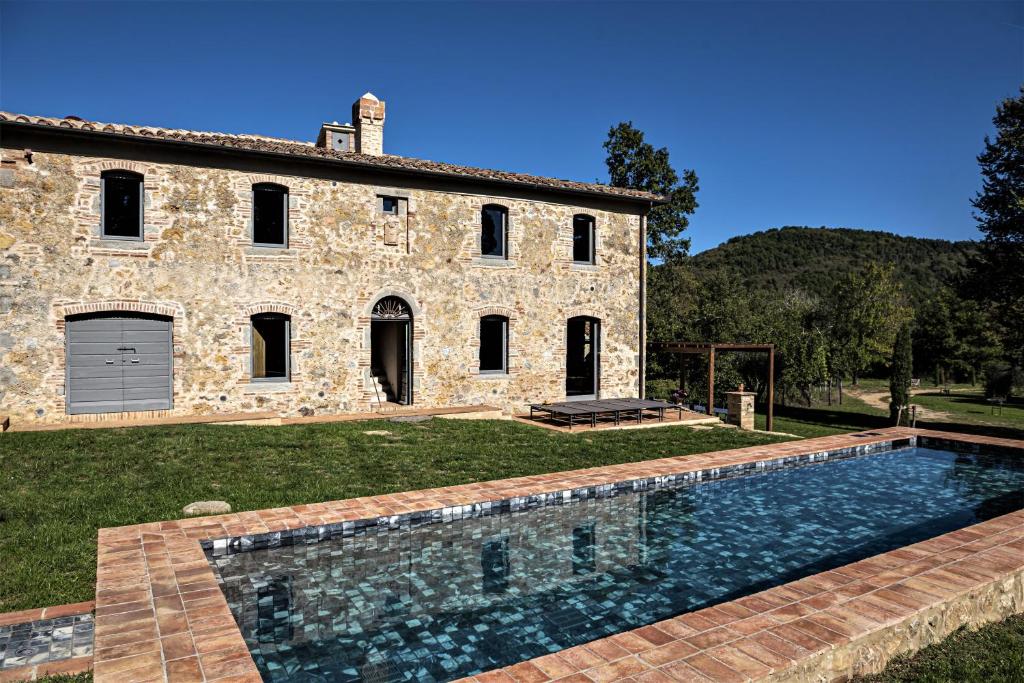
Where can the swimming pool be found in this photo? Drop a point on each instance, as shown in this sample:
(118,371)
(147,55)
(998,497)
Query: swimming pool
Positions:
(440,601)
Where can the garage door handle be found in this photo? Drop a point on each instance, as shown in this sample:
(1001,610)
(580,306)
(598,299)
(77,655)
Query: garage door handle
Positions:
(110,361)
(135,360)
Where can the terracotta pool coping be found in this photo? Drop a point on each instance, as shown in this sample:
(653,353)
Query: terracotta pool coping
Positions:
(161,616)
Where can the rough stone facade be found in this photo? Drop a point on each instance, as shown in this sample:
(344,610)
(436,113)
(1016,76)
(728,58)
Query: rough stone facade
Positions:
(197,265)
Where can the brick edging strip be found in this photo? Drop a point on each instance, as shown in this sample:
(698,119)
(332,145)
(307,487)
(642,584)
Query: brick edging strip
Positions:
(75,665)
(72,665)
(27,615)
(162,616)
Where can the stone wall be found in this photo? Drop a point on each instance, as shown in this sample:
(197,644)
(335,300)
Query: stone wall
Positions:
(197,264)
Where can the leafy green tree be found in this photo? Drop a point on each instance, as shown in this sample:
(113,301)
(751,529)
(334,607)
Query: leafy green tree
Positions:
(863,313)
(1000,215)
(801,347)
(953,338)
(636,164)
(900,374)
(672,295)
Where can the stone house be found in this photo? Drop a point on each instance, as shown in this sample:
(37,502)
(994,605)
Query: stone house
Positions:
(149,272)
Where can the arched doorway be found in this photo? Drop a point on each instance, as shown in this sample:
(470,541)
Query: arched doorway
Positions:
(391,350)
(582,358)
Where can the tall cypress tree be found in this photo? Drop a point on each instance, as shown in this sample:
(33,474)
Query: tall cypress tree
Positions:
(899,377)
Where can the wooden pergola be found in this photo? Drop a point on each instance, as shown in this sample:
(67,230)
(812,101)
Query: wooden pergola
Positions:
(701,348)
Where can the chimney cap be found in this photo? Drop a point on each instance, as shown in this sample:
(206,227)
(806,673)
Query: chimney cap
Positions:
(369,96)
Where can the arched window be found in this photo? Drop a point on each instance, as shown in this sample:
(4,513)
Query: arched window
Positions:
(271,347)
(493,344)
(269,215)
(494,231)
(583,238)
(121,202)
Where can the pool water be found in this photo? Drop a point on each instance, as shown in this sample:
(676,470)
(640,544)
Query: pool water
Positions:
(446,600)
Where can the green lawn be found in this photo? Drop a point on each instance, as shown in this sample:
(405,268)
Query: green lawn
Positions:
(824,420)
(60,487)
(965,408)
(993,654)
(966,405)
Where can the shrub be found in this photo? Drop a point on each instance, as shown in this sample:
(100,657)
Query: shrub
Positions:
(999,379)
(661,388)
(900,372)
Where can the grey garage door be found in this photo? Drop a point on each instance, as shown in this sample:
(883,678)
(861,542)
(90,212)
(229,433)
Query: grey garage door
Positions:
(118,362)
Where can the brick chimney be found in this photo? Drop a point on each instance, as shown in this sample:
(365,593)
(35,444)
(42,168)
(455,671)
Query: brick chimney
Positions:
(368,119)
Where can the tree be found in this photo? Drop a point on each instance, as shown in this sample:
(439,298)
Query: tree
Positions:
(1000,215)
(672,294)
(863,313)
(900,374)
(636,164)
(934,338)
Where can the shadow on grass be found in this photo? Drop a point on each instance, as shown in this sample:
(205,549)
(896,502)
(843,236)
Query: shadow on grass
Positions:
(827,417)
(970,399)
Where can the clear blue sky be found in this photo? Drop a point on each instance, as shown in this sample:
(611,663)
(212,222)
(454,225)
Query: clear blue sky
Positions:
(834,113)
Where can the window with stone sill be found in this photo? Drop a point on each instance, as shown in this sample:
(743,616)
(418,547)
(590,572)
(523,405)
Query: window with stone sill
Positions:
(121,205)
(583,248)
(493,345)
(269,215)
(271,347)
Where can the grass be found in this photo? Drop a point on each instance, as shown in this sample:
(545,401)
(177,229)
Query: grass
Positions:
(992,654)
(60,487)
(965,407)
(824,420)
(968,406)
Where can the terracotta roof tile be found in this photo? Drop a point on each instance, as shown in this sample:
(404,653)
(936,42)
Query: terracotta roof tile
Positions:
(261,143)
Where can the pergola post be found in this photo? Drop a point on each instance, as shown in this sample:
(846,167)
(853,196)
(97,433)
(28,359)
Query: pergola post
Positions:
(700,348)
(711,382)
(769,423)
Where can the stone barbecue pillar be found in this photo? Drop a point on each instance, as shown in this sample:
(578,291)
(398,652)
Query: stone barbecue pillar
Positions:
(741,408)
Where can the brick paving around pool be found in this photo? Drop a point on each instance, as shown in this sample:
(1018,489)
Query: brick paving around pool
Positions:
(161,616)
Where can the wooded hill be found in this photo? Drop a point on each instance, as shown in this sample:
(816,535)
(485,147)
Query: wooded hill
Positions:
(811,259)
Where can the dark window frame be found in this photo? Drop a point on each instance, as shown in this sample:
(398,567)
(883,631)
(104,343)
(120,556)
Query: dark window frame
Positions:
(502,241)
(287,343)
(121,174)
(591,227)
(503,320)
(396,204)
(285,228)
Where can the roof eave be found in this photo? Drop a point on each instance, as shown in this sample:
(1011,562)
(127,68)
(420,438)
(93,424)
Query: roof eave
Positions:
(650,201)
